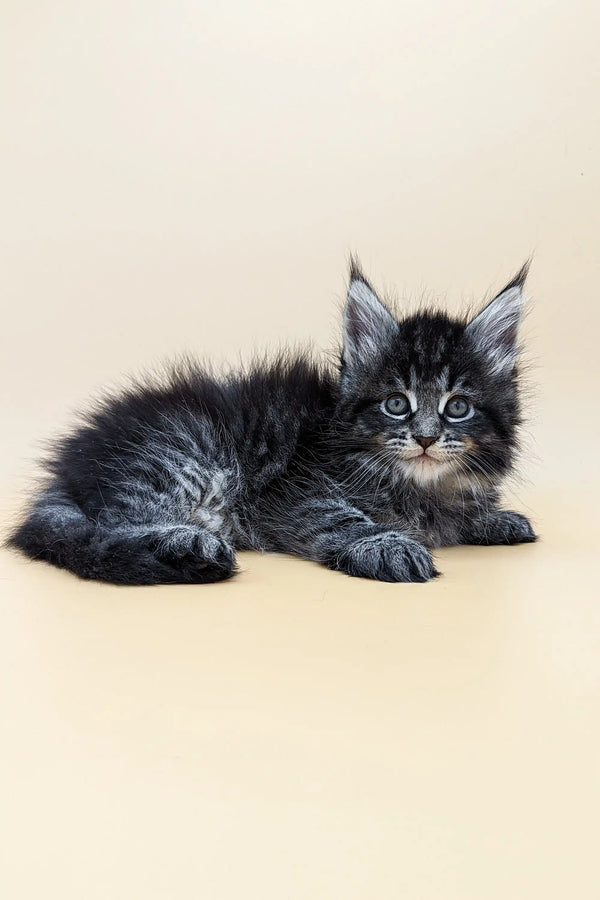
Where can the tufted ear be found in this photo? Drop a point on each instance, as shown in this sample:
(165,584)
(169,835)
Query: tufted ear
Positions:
(494,330)
(368,324)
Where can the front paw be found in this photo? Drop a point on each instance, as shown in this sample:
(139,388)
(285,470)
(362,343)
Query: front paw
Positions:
(507,527)
(388,556)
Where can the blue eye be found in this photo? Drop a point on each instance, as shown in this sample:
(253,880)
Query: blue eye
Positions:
(458,408)
(397,405)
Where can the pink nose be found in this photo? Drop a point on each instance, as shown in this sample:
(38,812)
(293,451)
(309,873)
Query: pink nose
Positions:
(425,442)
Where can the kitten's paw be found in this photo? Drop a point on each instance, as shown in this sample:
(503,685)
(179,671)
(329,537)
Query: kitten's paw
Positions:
(506,527)
(194,551)
(388,556)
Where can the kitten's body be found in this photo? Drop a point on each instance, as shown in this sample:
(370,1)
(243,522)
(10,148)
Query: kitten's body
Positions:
(164,483)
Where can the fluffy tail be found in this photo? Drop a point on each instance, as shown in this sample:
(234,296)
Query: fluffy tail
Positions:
(57,530)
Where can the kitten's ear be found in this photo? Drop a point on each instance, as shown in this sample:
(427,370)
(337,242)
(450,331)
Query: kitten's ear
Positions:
(494,330)
(367,322)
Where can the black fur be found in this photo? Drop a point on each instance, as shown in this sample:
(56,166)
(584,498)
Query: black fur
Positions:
(164,482)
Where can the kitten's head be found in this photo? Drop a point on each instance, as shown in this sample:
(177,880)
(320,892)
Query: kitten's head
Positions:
(434,398)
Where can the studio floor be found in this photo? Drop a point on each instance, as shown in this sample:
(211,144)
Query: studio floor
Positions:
(296,733)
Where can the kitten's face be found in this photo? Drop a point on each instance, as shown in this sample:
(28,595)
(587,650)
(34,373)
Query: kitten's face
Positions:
(432,399)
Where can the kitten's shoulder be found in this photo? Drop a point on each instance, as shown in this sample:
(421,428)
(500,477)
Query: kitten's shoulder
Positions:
(296,378)
(281,393)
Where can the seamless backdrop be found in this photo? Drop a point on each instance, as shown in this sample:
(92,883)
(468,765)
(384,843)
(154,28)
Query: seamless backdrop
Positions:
(191,176)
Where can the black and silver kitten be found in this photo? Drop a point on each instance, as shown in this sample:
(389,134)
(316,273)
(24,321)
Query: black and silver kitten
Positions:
(361,469)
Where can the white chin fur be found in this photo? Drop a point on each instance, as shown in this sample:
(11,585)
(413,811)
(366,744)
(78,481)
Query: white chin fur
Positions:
(425,472)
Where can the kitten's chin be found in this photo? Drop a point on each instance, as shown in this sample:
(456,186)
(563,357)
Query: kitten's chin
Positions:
(425,470)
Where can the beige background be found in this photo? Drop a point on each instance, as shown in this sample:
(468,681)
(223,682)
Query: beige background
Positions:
(191,175)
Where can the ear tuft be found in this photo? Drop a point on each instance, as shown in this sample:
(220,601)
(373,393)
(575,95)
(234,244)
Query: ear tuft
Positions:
(355,272)
(494,331)
(520,278)
(368,324)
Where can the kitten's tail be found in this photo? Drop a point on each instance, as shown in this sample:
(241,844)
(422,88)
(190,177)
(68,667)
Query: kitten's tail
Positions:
(57,530)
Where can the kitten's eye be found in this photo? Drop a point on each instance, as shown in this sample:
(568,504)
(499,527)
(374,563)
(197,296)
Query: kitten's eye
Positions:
(397,405)
(458,408)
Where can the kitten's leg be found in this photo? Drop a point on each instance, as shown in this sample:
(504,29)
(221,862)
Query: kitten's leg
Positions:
(498,527)
(157,554)
(342,537)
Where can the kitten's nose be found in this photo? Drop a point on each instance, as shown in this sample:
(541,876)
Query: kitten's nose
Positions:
(425,442)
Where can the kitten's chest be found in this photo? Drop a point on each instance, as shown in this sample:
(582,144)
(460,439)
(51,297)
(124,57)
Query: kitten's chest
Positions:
(430,520)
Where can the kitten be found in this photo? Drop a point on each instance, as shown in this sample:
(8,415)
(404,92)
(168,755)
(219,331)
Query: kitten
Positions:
(361,469)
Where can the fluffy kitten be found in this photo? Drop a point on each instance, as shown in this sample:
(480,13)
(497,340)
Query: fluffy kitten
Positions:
(360,469)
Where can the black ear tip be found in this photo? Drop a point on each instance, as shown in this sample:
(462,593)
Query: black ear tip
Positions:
(354,269)
(521,276)
(355,272)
